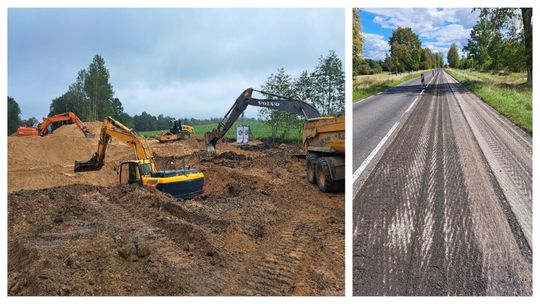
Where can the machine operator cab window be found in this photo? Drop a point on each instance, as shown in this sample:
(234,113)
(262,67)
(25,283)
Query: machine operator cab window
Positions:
(131,172)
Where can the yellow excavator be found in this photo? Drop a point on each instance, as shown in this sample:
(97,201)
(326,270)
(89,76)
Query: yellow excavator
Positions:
(182,183)
(323,137)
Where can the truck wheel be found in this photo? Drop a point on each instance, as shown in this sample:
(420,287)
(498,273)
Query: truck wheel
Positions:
(323,176)
(310,169)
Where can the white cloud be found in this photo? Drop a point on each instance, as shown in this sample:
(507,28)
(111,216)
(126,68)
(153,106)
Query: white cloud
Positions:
(438,28)
(375,46)
(448,34)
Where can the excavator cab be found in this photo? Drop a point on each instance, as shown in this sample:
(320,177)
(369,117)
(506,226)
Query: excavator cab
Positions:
(176,126)
(134,169)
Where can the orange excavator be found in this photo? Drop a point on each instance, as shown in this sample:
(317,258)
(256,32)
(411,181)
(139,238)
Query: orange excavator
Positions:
(45,127)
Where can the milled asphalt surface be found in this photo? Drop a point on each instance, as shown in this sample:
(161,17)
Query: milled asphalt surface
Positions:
(374,116)
(447,208)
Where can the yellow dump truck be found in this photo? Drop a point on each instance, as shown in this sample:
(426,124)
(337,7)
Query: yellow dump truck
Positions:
(324,145)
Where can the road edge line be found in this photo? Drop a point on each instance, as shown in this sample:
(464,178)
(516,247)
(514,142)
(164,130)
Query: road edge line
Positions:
(374,152)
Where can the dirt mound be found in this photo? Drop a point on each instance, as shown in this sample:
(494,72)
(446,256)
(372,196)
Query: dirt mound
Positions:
(38,162)
(260,228)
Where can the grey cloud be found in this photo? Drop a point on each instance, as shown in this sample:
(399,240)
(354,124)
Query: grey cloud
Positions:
(180,55)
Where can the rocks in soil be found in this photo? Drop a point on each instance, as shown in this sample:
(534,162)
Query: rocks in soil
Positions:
(134,250)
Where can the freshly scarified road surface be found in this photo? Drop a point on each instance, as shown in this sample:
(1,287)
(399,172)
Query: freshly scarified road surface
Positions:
(447,210)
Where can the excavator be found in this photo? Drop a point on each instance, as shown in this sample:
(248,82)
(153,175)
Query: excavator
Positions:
(177,131)
(45,127)
(182,183)
(323,138)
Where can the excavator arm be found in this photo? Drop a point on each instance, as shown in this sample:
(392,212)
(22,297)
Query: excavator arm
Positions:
(276,102)
(43,127)
(112,128)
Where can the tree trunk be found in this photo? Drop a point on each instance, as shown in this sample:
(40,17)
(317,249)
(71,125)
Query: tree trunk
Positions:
(526,14)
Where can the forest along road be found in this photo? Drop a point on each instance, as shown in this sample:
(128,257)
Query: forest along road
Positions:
(375,116)
(447,209)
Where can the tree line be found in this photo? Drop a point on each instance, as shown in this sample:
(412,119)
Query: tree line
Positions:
(91,97)
(324,88)
(406,52)
(501,40)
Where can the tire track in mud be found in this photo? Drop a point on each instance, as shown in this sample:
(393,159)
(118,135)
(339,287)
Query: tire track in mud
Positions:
(417,228)
(163,246)
(166,246)
(277,271)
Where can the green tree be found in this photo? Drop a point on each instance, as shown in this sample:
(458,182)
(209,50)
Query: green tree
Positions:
(388,63)
(502,20)
(99,90)
(526,15)
(30,122)
(478,44)
(439,59)
(405,49)
(426,59)
(145,122)
(14,115)
(453,56)
(279,83)
(303,87)
(126,120)
(502,40)
(74,100)
(329,85)
(513,55)
(357,41)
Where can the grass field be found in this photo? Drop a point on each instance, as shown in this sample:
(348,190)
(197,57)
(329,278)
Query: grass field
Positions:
(368,85)
(509,94)
(258,129)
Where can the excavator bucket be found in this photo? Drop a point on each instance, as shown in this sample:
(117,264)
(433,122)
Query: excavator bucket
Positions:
(89,134)
(211,139)
(90,165)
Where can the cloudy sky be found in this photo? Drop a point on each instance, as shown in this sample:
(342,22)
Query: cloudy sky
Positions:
(436,27)
(179,62)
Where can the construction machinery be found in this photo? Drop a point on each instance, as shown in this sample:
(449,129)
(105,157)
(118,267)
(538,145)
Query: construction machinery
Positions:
(323,138)
(177,131)
(182,183)
(45,127)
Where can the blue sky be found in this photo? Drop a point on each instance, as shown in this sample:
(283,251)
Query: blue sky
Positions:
(437,28)
(179,62)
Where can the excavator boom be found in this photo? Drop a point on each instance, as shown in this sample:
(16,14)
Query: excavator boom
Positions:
(112,128)
(245,99)
(180,183)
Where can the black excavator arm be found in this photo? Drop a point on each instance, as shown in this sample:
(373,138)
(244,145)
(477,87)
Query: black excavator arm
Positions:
(275,102)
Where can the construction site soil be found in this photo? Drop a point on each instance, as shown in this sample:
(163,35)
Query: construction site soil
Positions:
(259,229)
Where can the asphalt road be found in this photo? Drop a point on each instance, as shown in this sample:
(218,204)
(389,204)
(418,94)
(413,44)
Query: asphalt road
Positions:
(447,208)
(375,116)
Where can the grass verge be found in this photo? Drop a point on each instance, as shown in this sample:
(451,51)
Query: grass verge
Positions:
(368,85)
(259,129)
(509,94)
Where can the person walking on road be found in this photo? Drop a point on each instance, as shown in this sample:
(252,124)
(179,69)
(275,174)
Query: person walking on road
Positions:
(422,80)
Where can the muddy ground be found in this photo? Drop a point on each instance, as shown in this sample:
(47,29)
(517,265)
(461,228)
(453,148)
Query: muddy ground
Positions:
(259,229)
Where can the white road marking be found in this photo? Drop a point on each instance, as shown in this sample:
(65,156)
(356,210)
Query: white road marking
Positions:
(373,153)
(412,104)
